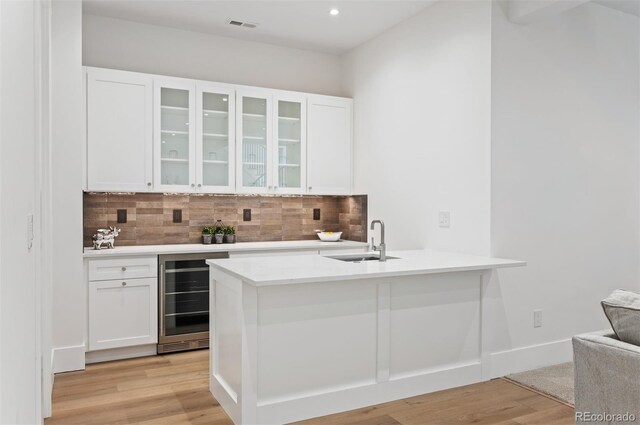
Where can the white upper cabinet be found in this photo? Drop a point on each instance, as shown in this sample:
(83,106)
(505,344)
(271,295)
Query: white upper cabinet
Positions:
(254,141)
(329,145)
(215,138)
(119,130)
(271,140)
(164,134)
(174,134)
(290,144)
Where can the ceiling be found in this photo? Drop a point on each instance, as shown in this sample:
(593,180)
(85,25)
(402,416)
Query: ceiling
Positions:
(304,24)
(627,6)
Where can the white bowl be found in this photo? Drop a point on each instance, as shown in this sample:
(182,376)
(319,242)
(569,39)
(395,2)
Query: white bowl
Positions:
(329,236)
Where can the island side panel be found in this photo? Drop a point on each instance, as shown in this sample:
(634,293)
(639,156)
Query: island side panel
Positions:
(226,329)
(435,326)
(320,336)
(316,343)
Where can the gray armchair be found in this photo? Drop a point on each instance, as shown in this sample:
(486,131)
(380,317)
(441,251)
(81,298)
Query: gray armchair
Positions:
(607,379)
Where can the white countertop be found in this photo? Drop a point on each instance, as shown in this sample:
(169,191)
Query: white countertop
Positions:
(201,248)
(282,270)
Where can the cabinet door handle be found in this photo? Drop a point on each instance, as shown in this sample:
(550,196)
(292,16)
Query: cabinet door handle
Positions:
(124,283)
(199,185)
(275,187)
(124,269)
(149,184)
(310,188)
(193,185)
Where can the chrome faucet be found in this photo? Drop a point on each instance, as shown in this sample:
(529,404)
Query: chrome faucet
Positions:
(382,247)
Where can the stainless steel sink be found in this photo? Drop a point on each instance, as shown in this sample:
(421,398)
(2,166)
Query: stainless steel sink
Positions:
(359,258)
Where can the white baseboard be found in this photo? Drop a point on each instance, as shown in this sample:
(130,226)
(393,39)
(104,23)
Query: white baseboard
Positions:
(120,353)
(531,357)
(67,359)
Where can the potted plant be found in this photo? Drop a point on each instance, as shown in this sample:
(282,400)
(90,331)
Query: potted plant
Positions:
(218,234)
(207,235)
(230,234)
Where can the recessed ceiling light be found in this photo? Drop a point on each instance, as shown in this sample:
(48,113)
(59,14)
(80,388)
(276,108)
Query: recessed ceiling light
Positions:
(334,12)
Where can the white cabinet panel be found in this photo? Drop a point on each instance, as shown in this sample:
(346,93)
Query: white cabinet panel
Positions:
(119,130)
(329,146)
(215,138)
(122,313)
(174,135)
(290,143)
(123,268)
(254,141)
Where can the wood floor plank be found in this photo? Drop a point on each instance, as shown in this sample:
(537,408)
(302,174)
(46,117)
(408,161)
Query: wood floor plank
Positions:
(558,415)
(174,389)
(213,416)
(371,413)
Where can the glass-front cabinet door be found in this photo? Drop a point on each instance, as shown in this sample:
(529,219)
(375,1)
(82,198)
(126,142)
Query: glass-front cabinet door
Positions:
(289,156)
(174,135)
(254,142)
(215,138)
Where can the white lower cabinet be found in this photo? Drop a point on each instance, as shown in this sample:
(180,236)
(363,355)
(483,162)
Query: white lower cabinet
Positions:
(123,312)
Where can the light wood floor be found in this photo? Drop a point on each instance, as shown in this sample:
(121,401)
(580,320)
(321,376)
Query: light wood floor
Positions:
(173,389)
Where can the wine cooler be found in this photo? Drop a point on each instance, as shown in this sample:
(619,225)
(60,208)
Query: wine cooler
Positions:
(183,297)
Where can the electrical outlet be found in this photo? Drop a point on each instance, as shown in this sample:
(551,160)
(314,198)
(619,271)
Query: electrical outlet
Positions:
(121,216)
(246,214)
(537,318)
(316,213)
(177,216)
(444,219)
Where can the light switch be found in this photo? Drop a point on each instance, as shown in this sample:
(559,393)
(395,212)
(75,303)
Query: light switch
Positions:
(444,219)
(30,232)
(537,318)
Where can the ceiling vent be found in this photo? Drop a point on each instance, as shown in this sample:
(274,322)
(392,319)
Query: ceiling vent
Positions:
(241,24)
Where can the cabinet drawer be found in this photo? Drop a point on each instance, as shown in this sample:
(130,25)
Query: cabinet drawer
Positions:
(123,313)
(123,268)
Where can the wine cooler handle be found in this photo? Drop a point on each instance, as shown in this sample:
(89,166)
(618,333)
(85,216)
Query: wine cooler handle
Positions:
(161,299)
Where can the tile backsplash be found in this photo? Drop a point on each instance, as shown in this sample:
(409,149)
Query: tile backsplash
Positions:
(151,217)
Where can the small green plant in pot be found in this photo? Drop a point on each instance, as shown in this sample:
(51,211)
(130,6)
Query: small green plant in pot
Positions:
(207,235)
(218,233)
(230,234)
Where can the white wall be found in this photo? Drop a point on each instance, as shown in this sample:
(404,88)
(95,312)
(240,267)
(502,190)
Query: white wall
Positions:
(565,171)
(19,121)
(68,122)
(422,136)
(529,135)
(119,44)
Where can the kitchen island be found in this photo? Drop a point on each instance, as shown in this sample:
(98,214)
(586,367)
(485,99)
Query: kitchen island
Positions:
(297,337)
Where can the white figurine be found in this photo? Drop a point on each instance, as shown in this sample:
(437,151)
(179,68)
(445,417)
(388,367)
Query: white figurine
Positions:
(105,237)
